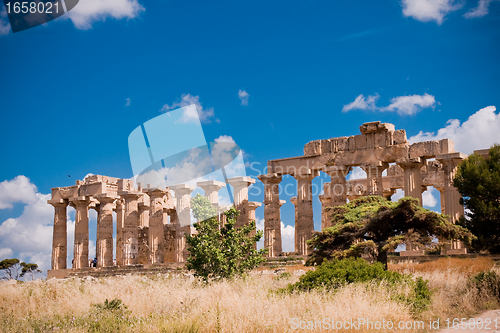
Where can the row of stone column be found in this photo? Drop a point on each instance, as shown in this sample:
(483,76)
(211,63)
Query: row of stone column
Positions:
(137,208)
(336,195)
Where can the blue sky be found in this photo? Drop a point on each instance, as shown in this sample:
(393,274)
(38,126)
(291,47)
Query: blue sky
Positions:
(272,75)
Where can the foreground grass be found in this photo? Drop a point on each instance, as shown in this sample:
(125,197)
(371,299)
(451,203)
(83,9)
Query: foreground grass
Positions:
(179,304)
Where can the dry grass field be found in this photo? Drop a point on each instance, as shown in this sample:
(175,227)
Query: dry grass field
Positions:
(177,303)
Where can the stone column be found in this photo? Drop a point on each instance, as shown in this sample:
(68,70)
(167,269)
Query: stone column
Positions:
(59,234)
(338,184)
(412,177)
(130,231)
(240,194)
(272,219)
(211,189)
(120,218)
(304,226)
(325,202)
(156,232)
(452,206)
(374,177)
(183,206)
(104,244)
(81,249)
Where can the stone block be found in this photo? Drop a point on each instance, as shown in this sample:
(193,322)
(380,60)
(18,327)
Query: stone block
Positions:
(342,143)
(312,148)
(360,141)
(400,137)
(425,149)
(379,139)
(326,146)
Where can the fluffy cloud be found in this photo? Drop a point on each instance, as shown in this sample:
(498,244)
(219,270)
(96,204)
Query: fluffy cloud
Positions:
(429,200)
(89,11)
(403,105)
(28,236)
(429,10)
(480,131)
(4,23)
(204,115)
(225,138)
(127,102)
(243,95)
(481,9)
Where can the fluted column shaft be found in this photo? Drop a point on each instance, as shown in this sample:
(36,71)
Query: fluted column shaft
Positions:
(120,218)
(240,186)
(81,246)
(412,177)
(304,225)
(338,184)
(130,231)
(374,178)
(272,219)
(59,235)
(156,232)
(104,244)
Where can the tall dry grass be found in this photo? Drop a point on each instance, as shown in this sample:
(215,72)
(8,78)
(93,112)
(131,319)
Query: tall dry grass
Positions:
(178,304)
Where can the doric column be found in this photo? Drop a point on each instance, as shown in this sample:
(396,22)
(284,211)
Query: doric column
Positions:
(374,177)
(211,189)
(252,206)
(338,184)
(412,177)
(452,206)
(120,218)
(183,206)
(130,230)
(156,233)
(304,226)
(104,243)
(272,219)
(59,234)
(240,194)
(325,202)
(81,249)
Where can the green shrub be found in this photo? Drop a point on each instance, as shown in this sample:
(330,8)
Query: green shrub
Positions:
(487,283)
(332,275)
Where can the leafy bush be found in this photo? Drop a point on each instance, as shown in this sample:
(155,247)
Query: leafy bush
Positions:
(334,274)
(487,283)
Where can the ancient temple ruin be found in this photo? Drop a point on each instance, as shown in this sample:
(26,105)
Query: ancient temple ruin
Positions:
(147,219)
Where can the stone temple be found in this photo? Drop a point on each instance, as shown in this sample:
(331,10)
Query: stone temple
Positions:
(148,232)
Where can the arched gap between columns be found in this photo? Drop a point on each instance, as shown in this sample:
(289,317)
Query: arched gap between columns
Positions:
(70,228)
(288,190)
(317,189)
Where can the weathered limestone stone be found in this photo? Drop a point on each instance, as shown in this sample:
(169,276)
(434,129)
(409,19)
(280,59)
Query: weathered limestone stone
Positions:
(272,220)
(130,230)
(182,219)
(374,177)
(104,244)
(412,177)
(304,226)
(252,206)
(156,236)
(240,197)
(211,189)
(60,235)
(120,220)
(338,184)
(81,248)
(325,202)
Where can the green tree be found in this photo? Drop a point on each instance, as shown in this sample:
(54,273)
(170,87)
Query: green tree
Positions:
(218,252)
(373,226)
(478,181)
(13,269)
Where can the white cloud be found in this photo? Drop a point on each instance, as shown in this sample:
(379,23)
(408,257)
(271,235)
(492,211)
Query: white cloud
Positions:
(28,236)
(17,190)
(428,199)
(243,95)
(480,131)
(127,102)
(89,11)
(410,105)
(204,115)
(225,138)
(6,253)
(362,103)
(398,195)
(4,23)
(357,173)
(287,238)
(429,10)
(481,10)
(259,224)
(403,105)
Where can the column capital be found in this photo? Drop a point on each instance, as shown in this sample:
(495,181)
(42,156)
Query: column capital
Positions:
(58,202)
(323,198)
(282,202)
(242,181)
(130,195)
(411,163)
(106,198)
(294,200)
(334,170)
(304,173)
(450,158)
(182,189)
(377,164)
(211,185)
(270,178)
(252,205)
